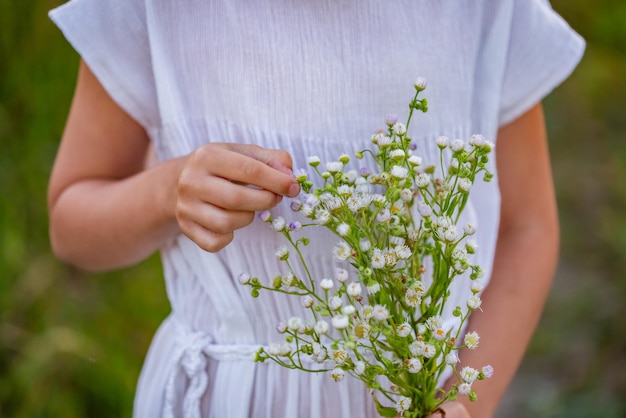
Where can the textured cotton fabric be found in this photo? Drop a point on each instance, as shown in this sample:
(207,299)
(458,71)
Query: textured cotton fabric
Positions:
(313,77)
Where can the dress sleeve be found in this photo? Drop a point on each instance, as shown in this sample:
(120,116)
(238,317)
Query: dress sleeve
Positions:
(543,51)
(112,38)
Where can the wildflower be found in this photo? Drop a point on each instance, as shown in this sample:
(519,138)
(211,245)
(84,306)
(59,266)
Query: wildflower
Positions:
(403,403)
(295,205)
(367,312)
(321,327)
(422,180)
(307,301)
(399,128)
(465,184)
(424,209)
(281,327)
(278,223)
(442,142)
(294,323)
(391,119)
(476,286)
(337,374)
(343,229)
(377,137)
(477,140)
(294,226)
(307,210)
(414,365)
(390,257)
(362,330)
(406,195)
(420,84)
(380,313)
(265,216)
(348,310)
(429,350)
(469,375)
(403,252)
(331,202)
(396,154)
(488,371)
(471,340)
(450,234)
(373,288)
(244,278)
(469,229)
(341,274)
(452,358)
(378,259)
(287,279)
(334,166)
(415,160)
(403,330)
(416,348)
(354,289)
(320,354)
(340,321)
(326,284)
(311,200)
(471,246)
(399,172)
(474,302)
(282,253)
(384,141)
(313,161)
(465,388)
(457,145)
(322,217)
(439,334)
(273,349)
(364,244)
(342,251)
(412,298)
(434,322)
(340,356)
(383,215)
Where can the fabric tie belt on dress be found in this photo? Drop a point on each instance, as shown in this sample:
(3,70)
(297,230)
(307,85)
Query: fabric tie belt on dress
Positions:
(190,358)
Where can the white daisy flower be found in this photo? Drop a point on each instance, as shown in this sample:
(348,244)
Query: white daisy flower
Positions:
(327,284)
(366,312)
(307,301)
(414,365)
(399,128)
(383,215)
(359,367)
(378,259)
(362,330)
(244,278)
(282,253)
(469,229)
(311,200)
(321,327)
(488,371)
(403,403)
(273,349)
(348,310)
(340,321)
(420,84)
(477,286)
(403,252)
(406,195)
(364,244)
(442,142)
(384,141)
(380,313)
(429,350)
(395,240)
(334,166)
(341,274)
(373,288)
(320,355)
(422,180)
(335,303)
(452,358)
(342,251)
(424,209)
(403,330)
(474,302)
(399,172)
(337,374)
(471,340)
(477,140)
(287,279)
(469,375)
(278,223)
(307,210)
(412,298)
(457,145)
(340,356)
(396,154)
(354,289)
(294,323)
(464,388)
(343,229)
(415,160)
(322,217)
(313,160)
(345,190)
(439,334)
(465,184)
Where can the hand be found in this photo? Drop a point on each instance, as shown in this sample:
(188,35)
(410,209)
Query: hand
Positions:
(221,185)
(452,409)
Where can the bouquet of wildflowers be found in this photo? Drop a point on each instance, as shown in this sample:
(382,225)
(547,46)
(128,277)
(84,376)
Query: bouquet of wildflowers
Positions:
(384,326)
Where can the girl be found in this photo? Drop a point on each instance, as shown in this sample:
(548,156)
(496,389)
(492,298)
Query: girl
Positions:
(232,95)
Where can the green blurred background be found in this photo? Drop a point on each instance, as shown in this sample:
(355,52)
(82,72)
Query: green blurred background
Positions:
(72,344)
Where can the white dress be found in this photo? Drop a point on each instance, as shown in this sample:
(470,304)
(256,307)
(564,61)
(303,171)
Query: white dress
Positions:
(313,77)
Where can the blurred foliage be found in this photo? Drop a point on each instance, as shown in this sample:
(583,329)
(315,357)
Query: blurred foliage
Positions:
(71,343)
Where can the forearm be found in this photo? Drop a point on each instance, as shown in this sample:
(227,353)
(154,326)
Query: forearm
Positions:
(524,265)
(101,224)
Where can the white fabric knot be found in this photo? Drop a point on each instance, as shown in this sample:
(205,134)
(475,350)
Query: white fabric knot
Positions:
(190,359)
